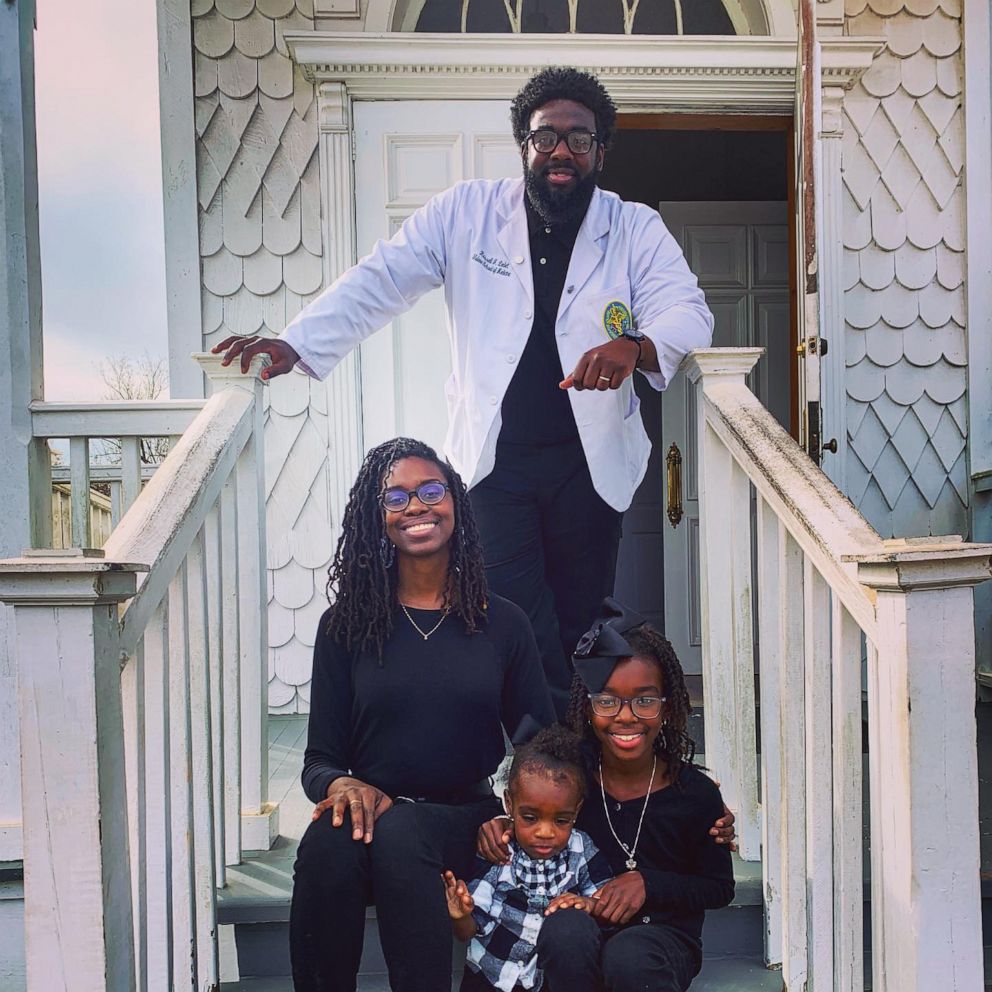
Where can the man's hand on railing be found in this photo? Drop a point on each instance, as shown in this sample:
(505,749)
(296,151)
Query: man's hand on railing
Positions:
(365,803)
(283,355)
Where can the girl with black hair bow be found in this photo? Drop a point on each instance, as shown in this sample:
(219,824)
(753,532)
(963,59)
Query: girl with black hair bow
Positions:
(652,819)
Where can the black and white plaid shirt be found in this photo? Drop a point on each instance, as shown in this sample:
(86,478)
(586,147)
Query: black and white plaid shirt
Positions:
(510,901)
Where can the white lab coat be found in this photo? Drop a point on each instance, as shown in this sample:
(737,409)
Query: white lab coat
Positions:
(473,240)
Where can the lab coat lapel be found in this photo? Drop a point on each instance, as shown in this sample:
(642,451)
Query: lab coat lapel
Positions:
(588,251)
(511,235)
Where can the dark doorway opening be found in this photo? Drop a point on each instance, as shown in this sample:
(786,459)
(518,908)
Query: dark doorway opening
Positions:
(704,161)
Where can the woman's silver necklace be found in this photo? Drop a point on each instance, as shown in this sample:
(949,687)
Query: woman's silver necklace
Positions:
(416,626)
(631,862)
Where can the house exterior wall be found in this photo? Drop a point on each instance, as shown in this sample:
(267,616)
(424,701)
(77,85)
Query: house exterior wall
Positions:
(903,153)
(904,238)
(260,247)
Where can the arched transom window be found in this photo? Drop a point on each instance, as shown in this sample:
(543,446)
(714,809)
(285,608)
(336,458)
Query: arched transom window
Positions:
(671,17)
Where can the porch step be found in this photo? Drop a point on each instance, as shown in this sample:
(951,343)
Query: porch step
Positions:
(256,903)
(737,974)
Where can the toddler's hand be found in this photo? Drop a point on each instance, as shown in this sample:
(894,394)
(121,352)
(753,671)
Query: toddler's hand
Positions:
(569,900)
(460,901)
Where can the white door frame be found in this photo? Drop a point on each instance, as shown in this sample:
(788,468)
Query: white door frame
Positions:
(744,75)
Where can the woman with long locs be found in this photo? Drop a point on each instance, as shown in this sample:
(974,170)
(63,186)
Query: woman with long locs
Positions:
(418,670)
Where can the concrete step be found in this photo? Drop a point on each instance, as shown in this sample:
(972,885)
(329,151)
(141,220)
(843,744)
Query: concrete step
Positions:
(735,974)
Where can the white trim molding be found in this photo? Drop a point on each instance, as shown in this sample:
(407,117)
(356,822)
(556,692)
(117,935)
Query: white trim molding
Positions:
(642,72)
(978,177)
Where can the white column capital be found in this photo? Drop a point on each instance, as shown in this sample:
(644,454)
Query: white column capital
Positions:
(924,563)
(704,363)
(226,376)
(333,107)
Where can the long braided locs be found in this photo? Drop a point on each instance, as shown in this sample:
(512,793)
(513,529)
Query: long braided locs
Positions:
(362,578)
(673,743)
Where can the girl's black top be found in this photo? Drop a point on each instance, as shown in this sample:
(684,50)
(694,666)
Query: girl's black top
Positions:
(685,871)
(428,721)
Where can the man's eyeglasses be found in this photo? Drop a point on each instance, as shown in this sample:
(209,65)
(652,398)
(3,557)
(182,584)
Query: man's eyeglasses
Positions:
(643,707)
(546,139)
(429,493)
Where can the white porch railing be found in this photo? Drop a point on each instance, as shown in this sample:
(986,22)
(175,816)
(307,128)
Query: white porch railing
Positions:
(826,584)
(142,701)
(129,422)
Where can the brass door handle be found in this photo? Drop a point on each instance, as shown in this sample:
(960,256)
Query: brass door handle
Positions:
(673,464)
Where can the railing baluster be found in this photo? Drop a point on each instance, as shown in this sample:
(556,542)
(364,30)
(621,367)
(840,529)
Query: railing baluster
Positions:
(115,503)
(258,820)
(231,676)
(819,785)
(181,787)
(201,747)
(215,610)
(847,801)
(791,744)
(771,715)
(79,475)
(130,471)
(158,785)
(133,705)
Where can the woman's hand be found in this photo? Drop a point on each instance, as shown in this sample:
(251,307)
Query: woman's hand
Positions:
(621,897)
(460,901)
(493,839)
(364,802)
(570,900)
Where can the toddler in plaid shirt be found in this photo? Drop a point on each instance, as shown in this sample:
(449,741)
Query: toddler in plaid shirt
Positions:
(551,867)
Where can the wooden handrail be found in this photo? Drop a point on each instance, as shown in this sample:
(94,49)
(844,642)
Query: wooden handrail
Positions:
(160,526)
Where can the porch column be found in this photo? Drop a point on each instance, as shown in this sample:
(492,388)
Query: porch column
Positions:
(925,898)
(337,207)
(25,483)
(725,596)
(77,872)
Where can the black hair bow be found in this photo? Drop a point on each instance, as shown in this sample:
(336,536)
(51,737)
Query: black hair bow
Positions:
(603,643)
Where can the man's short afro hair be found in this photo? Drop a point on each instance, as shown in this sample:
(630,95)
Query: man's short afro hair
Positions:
(561,82)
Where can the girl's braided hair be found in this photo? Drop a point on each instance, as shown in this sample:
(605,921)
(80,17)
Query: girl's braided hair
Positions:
(555,752)
(673,743)
(361,583)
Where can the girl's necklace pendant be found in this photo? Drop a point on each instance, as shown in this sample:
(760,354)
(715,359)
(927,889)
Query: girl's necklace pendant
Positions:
(631,864)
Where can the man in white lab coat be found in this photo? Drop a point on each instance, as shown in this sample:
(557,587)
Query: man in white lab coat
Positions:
(556,292)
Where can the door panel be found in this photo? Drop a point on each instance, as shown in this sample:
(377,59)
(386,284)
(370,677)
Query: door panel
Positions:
(405,152)
(739,252)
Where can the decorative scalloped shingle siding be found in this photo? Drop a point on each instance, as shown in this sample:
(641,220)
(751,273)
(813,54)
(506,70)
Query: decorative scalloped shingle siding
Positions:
(260,246)
(904,242)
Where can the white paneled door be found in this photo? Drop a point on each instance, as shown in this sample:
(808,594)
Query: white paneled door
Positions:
(740,254)
(405,152)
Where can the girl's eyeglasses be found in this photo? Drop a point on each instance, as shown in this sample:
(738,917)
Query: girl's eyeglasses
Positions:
(429,493)
(644,707)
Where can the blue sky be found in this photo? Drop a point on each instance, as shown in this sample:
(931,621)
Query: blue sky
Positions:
(102,252)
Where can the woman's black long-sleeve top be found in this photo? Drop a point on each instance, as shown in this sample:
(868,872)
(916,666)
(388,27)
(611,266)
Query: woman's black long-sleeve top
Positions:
(685,871)
(427,721)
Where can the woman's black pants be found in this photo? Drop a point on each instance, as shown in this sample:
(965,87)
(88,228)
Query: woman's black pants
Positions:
(335,878)
(575,957)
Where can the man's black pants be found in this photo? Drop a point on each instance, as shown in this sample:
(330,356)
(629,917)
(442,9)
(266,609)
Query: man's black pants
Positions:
(551,546)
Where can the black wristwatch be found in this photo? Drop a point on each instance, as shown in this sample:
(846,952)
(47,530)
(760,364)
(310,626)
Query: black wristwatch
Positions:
(637,339)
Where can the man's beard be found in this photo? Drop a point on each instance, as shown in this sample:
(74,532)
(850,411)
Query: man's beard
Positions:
(558,206)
